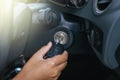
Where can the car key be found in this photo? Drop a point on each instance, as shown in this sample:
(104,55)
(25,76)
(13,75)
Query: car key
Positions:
(60,39)
(56,49)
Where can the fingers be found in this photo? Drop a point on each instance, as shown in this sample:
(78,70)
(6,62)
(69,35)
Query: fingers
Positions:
(44,50)
(59,59)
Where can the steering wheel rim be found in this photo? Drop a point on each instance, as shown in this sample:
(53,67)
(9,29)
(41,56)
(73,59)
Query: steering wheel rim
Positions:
(5,31)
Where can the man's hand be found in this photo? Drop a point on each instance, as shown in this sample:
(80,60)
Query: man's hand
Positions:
(38,68)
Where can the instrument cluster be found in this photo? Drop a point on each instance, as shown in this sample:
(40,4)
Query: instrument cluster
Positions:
(70,3)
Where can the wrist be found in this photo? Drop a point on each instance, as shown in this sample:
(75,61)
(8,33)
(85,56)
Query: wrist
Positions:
(19,76)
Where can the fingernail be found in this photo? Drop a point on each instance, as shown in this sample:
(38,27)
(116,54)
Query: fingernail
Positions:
(49,43)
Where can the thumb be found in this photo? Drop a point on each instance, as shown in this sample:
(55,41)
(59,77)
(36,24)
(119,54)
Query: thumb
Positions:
(44,50)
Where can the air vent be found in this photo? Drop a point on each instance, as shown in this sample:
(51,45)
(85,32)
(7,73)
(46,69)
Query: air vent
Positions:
(103,4)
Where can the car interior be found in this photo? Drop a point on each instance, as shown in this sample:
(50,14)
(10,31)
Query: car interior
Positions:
(87,29)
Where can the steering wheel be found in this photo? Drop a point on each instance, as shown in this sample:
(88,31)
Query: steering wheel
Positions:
(14,30)
(5,32)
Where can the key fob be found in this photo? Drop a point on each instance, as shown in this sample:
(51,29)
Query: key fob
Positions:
(56,49)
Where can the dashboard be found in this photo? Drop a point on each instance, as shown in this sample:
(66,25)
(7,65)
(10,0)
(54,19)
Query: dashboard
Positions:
(101,20)
(93,22)
(102,25)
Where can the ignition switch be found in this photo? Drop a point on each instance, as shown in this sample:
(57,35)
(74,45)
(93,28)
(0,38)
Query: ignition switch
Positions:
(62,39)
